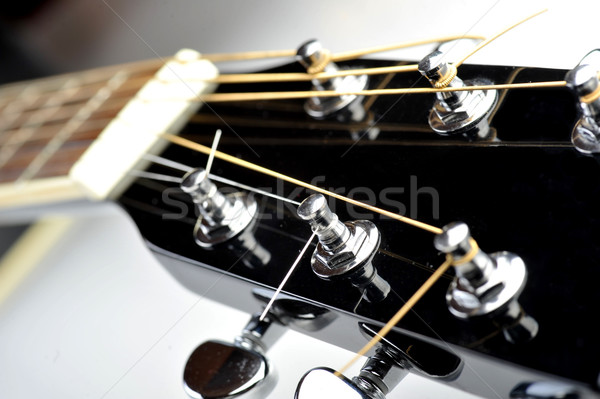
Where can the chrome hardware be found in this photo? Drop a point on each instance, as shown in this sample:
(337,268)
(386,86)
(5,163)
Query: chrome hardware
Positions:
(378,376)
(222,216)
(457,112)
(344,250)
(583,80)
(311,55)
(487,285)
(218,370)
(545,390)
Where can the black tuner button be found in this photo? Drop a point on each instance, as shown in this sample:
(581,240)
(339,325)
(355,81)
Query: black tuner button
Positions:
(223,370)
(220,370)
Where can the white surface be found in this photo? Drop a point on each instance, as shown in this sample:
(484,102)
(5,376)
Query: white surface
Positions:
(102,319)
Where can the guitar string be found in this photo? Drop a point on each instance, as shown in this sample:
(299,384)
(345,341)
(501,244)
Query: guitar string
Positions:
(248,165)
(178,180)
(96,76)
(287,95)
(491,39)
(341,56)
(213,149)
(411,302)
(286,278)
(221,97)
(408,305)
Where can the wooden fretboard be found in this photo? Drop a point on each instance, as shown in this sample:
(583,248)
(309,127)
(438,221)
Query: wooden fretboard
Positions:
(47,125)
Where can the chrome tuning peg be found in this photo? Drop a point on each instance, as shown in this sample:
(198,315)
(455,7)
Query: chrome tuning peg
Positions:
(378,376)
(486,285)
(345,250)
(219,370)
(222,216)
(457,112)
(583,81)
(314,58)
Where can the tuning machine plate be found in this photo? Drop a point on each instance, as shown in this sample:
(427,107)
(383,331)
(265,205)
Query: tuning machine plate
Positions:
(583,80)
(459,112)
(314,58)
(344,250)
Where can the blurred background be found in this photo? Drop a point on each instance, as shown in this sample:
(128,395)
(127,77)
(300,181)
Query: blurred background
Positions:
(98,317)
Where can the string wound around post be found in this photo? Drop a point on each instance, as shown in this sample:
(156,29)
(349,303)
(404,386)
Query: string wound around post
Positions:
(486,285)
(457,112)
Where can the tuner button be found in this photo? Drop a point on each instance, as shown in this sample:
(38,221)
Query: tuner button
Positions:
(378,376)
(322,383)
(221,370)
(344,250)
(545,390)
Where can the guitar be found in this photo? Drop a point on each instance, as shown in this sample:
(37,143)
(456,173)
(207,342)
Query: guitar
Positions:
(405,149)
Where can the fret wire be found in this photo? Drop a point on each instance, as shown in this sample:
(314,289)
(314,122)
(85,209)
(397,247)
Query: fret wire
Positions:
(90,76)
(69,111)
(26,131)
(85,92)
(72,125)
(48,131)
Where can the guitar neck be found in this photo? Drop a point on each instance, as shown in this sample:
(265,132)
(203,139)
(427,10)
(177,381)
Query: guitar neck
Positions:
(54,132)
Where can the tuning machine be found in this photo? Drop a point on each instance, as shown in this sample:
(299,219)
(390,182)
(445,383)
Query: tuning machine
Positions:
(312,56)
(224,218)
(219,370)
(457,112)
(345,250)
(583,80)
(486,285)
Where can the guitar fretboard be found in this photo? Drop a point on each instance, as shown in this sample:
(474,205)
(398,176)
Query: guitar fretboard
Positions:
(47,124)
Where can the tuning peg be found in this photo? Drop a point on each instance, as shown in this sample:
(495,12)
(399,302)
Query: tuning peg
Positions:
(458,112)
(344,250)
(486,285)
(583,81)
(219,370)
(222,217)
(314,58)
(378,376)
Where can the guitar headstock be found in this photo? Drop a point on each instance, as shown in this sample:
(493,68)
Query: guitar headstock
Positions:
(501,161)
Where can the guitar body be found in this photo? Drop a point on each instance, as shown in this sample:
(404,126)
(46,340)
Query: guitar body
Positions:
(524,190)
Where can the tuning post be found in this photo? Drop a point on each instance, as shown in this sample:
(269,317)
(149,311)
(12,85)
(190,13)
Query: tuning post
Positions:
(312,56)
(583,80)
(345,250)
(457,112)
(222,216)
(486,285)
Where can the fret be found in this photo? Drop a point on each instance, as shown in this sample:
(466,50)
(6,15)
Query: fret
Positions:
(65,113)
(11,145)
(72,125)
(82,93)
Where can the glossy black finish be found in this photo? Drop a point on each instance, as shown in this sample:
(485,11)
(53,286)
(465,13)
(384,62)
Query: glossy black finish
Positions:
(528,192)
